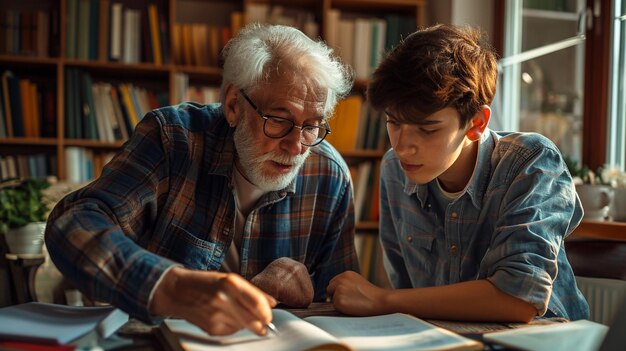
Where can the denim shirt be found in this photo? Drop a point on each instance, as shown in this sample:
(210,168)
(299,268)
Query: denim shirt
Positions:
(508,226)
(167,199)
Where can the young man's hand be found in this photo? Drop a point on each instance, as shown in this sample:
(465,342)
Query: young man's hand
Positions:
(352,294)
(288,281)
(219,303)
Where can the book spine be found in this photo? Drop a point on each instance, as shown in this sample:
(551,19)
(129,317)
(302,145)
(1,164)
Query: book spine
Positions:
(153,18)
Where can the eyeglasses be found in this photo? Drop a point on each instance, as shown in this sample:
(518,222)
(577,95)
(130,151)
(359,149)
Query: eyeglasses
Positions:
(278,127)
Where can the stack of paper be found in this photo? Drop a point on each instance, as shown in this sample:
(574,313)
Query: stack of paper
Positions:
(58,324)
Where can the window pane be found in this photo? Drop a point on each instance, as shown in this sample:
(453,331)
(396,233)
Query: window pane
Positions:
(541,82)
(551,99)
(617,125)
(545,22)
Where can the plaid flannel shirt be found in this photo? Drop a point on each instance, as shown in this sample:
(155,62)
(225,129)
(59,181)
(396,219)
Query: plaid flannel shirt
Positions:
(167,199)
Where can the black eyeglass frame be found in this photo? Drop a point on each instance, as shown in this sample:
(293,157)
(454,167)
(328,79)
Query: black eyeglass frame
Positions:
(285,120)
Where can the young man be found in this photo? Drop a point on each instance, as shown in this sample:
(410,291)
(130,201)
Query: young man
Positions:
(203,198)
(472,221)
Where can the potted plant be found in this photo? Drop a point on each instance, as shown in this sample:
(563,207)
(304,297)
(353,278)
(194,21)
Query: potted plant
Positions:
(593,190)
(23,214)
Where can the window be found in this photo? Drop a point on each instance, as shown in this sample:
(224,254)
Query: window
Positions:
(616,143)
(581,45)
(541,82)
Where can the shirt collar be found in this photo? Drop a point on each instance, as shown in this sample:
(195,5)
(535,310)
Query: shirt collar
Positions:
(482,168)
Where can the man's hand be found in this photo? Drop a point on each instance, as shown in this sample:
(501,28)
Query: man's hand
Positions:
(219,303)
(352,294)
(288,281)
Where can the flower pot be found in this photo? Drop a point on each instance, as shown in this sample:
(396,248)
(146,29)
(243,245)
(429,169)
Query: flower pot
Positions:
(27,239)
(596,200)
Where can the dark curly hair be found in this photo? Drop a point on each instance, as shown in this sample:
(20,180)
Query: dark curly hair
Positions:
(434,68)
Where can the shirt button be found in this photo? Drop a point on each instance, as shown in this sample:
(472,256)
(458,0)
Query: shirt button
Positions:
(409,239)
(454,249)
(218,254)
(453,215)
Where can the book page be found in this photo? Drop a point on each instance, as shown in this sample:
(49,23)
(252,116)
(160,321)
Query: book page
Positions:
(392,332)
(294,334)
(190,331)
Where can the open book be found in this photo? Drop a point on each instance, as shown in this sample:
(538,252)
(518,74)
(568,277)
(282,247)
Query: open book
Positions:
(388,332)
(58,324)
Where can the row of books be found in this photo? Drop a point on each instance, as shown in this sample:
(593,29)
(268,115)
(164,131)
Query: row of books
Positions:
(83,165)
(361,41)
(104,111)
(369,252)
(277,14)
(365,179)
(27,109)
(198,44)
(203,94)
(27,166)
(355,125)
(104,30)
(31,33)
(94,110)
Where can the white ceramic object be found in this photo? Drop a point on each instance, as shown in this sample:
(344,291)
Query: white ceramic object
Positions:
(27,239)
(596,200)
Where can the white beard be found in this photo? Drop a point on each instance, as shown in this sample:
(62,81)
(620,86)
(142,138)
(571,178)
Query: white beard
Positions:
(253,162)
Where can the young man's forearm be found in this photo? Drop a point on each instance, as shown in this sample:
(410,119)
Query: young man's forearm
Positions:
(477,300)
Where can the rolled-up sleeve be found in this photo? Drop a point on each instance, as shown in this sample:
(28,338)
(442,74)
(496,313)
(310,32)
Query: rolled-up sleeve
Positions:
(93,234)
(537,213)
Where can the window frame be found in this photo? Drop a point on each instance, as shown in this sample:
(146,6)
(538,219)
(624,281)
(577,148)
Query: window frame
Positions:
(597,67)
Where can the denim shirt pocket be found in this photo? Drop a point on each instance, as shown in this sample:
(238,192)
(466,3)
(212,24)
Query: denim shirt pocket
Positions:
(419,247)
(189,250)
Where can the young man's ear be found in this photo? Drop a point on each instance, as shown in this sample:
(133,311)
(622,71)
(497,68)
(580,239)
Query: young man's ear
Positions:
(479,123)
(232,108)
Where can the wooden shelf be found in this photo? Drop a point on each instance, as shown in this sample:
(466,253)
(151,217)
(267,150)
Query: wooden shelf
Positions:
(603,230)
(28,60)
(93,143)
(363,154)
(371,226)
(28,141)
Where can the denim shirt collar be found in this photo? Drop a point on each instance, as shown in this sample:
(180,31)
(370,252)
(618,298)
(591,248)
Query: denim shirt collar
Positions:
(478,182)
(222,160)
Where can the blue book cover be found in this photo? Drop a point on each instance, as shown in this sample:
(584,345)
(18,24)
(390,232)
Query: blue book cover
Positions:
(15,99)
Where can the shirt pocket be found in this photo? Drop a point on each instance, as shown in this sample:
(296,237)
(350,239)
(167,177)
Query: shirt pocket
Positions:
(419,251)
(189,250)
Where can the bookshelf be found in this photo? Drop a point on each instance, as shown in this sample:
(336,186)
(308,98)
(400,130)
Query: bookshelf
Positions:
(163,49)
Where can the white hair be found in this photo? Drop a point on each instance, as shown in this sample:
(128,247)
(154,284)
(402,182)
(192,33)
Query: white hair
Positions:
(258,50)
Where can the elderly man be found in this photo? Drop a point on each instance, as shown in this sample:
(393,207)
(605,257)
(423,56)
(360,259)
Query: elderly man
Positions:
(204,198)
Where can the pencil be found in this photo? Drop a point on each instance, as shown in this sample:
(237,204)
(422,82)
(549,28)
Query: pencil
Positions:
(271,327)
